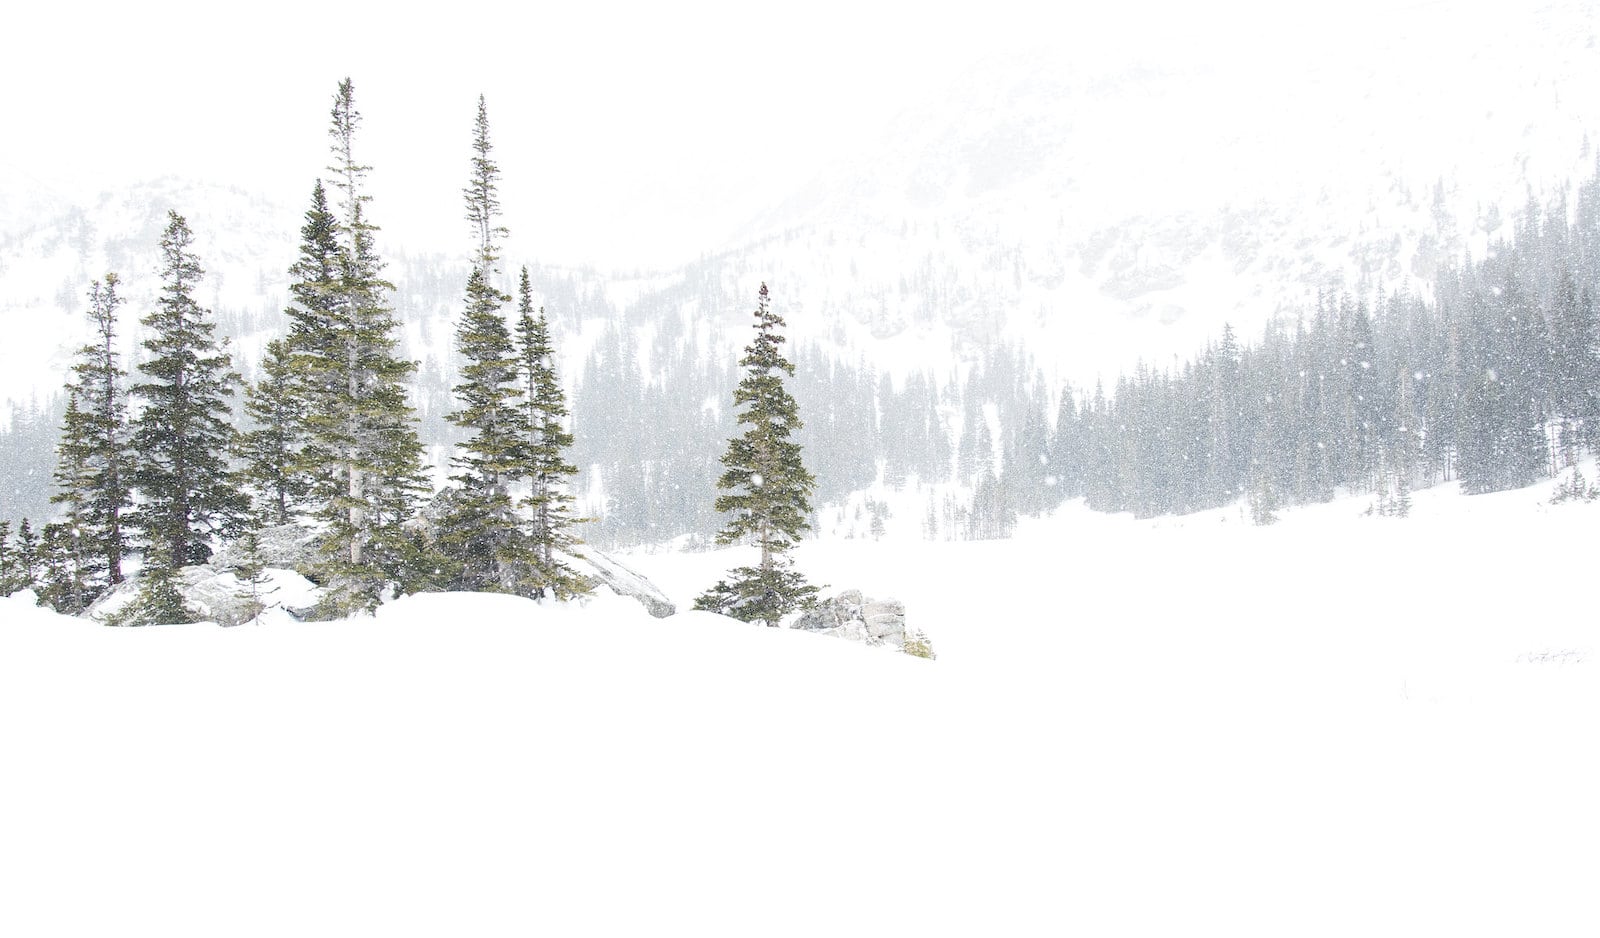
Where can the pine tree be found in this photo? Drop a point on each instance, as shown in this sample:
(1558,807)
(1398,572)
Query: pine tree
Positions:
(362,460)
(8,561)
(27,576)
(185,432)
(251,571)
(545,450)
(64,584)
(271,449)
(93,464)
(481,534)
(767,488)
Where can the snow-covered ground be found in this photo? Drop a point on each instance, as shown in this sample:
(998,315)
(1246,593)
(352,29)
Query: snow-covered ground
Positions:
(1340,725)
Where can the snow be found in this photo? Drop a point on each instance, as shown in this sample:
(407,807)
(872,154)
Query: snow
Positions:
(1337,725)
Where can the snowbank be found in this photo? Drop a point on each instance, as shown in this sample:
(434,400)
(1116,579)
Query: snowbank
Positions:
(1338,725)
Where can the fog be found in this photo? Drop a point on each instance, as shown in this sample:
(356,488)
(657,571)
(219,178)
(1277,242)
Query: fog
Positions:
(628,136)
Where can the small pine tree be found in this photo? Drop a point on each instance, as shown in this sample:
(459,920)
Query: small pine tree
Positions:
(71,576)
(8,561)
(918,645)
(992,516)
(27,557)
(63,584)
(158,602)
(185,432)
(271,449)
(766,486)
(1263,498)
(545,451)
(251,571)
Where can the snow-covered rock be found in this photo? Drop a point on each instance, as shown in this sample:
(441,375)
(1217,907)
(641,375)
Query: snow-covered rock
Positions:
(219,595)
(852,616)
(619,579)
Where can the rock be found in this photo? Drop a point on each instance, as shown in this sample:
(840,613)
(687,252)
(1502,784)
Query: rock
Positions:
(885,607)
(823,617)
(213,595)
(855,617)
(611,574)
(881,626)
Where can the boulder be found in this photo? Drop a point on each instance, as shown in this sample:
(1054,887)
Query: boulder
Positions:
(213,595)
(855,617)
(882,626)
(883,607)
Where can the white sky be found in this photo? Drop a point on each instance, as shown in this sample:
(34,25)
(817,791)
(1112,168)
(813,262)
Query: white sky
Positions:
(625,134)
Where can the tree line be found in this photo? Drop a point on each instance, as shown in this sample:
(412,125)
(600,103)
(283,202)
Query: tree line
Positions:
(1494,383)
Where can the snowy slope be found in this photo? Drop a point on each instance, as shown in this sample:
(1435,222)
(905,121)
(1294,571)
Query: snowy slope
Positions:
(245,243)
(1102,214)
(1337,726)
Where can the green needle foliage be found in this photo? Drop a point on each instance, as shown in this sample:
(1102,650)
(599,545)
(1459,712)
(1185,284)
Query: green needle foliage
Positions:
(479,535)
(184,433)
(766,487)
(361,461)
(545,452)
(93,471)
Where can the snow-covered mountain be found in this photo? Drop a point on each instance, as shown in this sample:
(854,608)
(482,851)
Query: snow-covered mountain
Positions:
(1102,217)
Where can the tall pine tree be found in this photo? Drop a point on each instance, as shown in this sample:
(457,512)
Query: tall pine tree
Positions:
(92,472)
(184,433)
(766,487)
(362,460)
(480,534)
(545,450)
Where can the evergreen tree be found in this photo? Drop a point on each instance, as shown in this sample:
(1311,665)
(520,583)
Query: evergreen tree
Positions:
(184,433)
(481,534)
(270,450)
(27,557)
(767,488)
(74,490)
(546,447)
(64,584)
(251,571)
(362,460)
(93,464)
(8,561)
(992,516)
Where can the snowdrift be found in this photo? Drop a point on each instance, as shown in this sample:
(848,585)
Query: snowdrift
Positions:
(1339,725)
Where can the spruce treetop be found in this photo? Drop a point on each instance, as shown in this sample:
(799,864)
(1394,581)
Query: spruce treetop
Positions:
(483,201)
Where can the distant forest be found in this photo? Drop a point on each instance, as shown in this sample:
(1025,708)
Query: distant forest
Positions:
(1494,382)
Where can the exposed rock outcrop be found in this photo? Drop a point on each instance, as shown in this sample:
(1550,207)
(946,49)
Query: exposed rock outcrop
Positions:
(851,615)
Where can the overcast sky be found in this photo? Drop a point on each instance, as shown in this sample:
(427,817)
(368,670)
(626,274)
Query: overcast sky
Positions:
(625,133)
